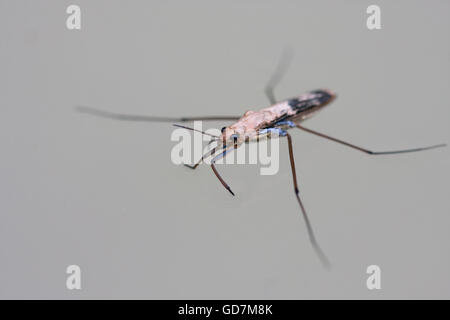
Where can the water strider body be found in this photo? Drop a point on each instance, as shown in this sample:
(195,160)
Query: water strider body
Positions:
(274,120)
(278,117)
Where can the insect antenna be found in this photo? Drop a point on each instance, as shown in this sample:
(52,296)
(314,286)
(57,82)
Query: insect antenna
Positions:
(189,128)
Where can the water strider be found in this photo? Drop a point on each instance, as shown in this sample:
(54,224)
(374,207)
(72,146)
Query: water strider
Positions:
(274,120)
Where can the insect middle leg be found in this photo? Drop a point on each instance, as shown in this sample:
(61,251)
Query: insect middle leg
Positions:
(280,70)
(312,237)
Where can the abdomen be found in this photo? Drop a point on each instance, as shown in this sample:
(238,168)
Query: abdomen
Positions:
(306,105)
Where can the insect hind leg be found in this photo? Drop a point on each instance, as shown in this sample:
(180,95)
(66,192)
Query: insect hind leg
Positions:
(289,124)
(370,152)
(269,131)
(278,129)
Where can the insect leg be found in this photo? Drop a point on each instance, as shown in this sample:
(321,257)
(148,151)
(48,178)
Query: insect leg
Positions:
(207,154)
(312,238)
(213,167)
(280,70)
(288,123)
(132,117)
(366,150)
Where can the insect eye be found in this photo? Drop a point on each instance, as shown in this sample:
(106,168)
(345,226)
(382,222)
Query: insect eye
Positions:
(223,129)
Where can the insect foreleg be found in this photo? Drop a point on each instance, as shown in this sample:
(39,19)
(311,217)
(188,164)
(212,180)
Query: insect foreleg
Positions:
(312,238)
(207,154)
(366,150)
(213,167)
